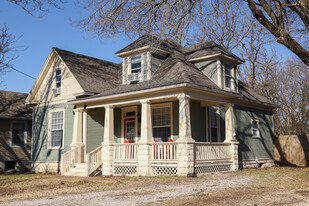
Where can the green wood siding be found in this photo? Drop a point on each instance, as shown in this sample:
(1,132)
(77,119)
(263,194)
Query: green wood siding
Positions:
(251,148)
(175,120)
(40,151)
(95,128)
(198,121)
(117,125)
(209,68)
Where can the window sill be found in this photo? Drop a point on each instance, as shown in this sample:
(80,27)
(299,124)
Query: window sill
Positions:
(256,137)
(55,148)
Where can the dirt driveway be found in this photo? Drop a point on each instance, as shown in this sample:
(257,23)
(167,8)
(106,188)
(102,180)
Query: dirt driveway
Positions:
(275,186)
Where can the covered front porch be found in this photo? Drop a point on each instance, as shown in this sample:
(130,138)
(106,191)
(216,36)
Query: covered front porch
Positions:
(182,134)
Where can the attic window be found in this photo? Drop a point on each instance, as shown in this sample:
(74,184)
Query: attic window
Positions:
(136,64)
(228,75)
(58,82)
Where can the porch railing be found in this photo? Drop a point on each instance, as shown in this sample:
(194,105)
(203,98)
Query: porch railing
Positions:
(69,160)
(93,160)
(164,151)
(212,151)
(126,151)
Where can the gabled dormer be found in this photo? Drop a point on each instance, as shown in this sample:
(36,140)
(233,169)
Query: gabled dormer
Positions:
(217,63)
(142,58)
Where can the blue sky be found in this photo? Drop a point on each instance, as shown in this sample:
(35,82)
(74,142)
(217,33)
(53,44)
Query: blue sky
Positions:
(39,35)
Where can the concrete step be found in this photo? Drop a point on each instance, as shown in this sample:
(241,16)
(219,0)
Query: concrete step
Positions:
(79,170)
(75,174)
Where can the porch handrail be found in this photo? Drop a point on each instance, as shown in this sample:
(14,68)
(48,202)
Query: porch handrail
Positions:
(212,151)
(125,151)
(69,160)
(164,151)
(93,160)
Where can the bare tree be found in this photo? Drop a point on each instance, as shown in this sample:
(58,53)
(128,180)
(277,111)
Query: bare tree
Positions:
(287,20)
(7,49)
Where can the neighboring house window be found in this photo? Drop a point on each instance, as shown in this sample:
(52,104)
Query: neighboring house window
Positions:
(255,128)
(56,134)
(58,82)
(18,134)
(136,64)
(161,124)
(228,75)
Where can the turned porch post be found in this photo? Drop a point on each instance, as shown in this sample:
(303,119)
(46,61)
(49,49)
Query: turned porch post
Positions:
(146,137)
(186,143)
(107,150)
(230,135)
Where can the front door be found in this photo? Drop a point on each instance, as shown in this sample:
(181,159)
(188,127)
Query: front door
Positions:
(129,130)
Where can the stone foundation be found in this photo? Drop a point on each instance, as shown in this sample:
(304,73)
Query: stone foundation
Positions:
(254,163)
(46,167)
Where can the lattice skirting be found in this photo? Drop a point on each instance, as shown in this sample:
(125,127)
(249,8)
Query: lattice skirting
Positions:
(212,169)
(164,171)
(125,170)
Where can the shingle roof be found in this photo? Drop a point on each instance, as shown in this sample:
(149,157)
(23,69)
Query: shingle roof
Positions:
(93,75)
(206,49)
(152,41)
(12,104)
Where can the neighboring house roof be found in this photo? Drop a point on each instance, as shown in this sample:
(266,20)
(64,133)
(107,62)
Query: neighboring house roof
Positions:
(207,49)
(12,105)
(93,75)
(153,42)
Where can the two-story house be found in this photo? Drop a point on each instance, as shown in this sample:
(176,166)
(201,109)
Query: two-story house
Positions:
(166,110)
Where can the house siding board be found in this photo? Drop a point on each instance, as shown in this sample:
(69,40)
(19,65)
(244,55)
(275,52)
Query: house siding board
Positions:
(209,68)
(156,62)
(252,148)
(40,151)
(95,128)
(117,126)
(198,121)
(222,122)
(8,153)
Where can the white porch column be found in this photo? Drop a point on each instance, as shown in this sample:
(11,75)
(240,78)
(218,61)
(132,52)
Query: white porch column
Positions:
(85,115)
(186,143)
(230,135)
(107,151)
(144,150)
(77,138)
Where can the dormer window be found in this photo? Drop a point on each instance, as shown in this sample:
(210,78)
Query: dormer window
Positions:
(136,65)
(57,89)
(228,75)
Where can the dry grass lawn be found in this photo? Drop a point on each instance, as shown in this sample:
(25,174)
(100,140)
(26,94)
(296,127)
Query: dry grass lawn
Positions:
(276,186)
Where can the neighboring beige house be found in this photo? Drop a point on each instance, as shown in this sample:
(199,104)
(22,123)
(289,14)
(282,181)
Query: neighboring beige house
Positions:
(165,110)
(15,131)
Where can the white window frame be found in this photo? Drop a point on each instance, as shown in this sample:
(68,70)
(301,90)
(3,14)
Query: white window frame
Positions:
(58,81)
(25,133)
(217,109)
(230,76)
(163,105)
(139,68)
(49,128)
(258,128)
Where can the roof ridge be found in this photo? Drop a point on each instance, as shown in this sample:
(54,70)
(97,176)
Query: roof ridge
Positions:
(13,92)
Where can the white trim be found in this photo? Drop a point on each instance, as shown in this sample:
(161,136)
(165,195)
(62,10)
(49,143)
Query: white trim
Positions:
(258,127)
(204,58)
(162,105)
(49,128)
(25,133)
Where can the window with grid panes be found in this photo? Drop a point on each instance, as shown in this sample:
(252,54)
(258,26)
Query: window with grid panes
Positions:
(255,128)
(136,64)
(161,124)
(228,75)
(56,129)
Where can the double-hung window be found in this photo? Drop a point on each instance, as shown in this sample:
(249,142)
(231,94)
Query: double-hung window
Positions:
(161,124)
(56,131)
(227,75)
(18,134)
(136,65)
(255,128)
(57,89)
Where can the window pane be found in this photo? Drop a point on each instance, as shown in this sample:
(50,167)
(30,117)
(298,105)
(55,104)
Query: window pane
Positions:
(162,134)
(161,122)
(136,64)
(56,129)
(18,135)
(254,132)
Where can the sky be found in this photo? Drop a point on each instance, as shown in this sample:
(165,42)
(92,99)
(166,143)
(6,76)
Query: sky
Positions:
(37,36)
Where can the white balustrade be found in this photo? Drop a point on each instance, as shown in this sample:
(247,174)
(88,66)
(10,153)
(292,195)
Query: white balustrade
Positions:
(69,160)
(164,151)
(212,151)
(94,160)
(126,151)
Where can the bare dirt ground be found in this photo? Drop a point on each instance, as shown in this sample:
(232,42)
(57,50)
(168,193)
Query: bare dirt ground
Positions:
(273,186)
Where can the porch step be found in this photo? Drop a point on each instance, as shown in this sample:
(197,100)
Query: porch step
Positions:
(78,171)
